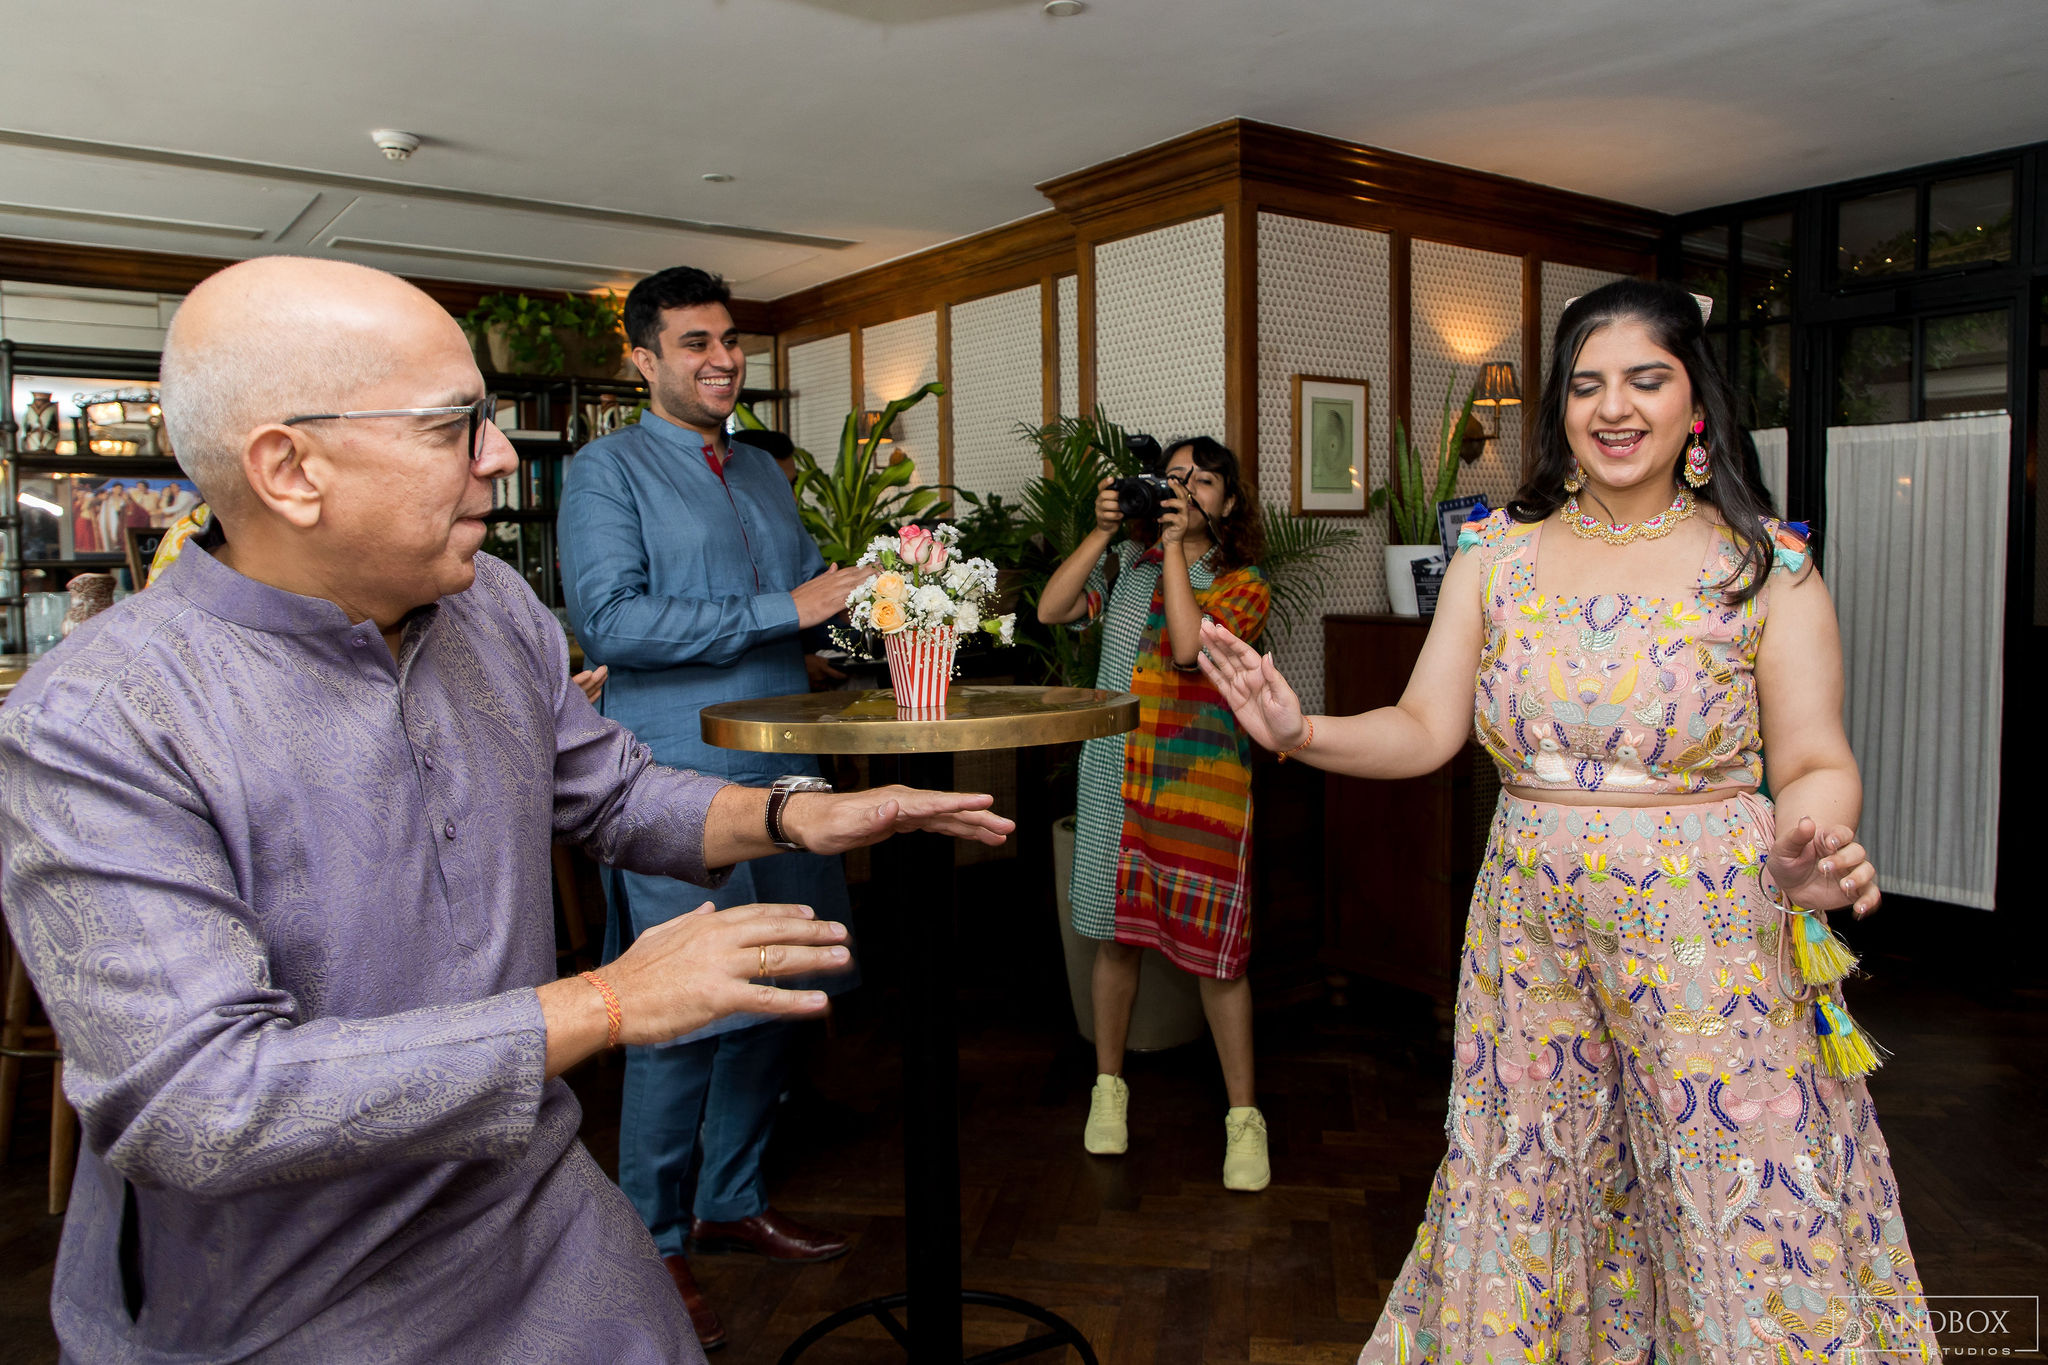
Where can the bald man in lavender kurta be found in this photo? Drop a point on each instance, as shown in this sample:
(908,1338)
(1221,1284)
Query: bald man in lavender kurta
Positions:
(276,852)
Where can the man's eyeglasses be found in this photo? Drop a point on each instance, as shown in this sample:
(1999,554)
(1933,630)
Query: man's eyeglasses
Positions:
(484,410)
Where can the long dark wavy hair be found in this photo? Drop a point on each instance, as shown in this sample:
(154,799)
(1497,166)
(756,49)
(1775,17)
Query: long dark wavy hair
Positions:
(1672,317)
(1240,537)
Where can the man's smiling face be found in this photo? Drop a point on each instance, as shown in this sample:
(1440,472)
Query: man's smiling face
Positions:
(697,375)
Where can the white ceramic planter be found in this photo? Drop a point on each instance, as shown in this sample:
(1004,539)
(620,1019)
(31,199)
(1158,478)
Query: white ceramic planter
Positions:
(1401,579)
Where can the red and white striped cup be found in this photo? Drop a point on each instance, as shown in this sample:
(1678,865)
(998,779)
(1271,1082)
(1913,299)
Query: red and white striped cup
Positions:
(921,667)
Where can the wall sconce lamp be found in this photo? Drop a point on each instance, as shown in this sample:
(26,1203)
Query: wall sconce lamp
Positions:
(887,452)
(869,420)
(1497,388)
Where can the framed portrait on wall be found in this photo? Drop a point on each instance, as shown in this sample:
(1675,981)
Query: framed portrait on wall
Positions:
(1330,450)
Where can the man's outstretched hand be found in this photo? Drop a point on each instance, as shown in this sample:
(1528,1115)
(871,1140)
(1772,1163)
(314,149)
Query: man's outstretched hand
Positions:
(833,822)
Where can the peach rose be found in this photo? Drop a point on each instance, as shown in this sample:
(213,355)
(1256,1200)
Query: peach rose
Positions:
(890,586)
(888,615)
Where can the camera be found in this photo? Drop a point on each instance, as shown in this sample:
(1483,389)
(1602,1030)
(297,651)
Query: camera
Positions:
(1143,496)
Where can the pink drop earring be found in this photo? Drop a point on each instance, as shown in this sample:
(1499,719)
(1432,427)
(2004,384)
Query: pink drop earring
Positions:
(1697,471)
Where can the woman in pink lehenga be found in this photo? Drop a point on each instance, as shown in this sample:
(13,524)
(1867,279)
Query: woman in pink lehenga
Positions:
(1661,1143)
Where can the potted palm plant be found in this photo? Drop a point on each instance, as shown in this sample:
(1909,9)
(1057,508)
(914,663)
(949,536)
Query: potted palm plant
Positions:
(1416,494)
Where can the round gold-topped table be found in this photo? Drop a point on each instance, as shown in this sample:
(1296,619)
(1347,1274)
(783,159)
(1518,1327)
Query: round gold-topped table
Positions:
(869,723)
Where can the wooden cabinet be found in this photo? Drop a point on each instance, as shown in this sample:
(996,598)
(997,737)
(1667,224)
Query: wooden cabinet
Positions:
(1400,857)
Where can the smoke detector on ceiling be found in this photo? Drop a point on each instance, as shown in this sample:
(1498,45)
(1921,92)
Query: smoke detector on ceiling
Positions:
(1064,9)
(395,145)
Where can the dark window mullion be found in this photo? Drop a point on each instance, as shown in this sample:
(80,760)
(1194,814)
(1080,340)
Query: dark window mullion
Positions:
(1916,391)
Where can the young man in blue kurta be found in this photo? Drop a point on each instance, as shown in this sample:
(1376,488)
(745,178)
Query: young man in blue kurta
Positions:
(688,573)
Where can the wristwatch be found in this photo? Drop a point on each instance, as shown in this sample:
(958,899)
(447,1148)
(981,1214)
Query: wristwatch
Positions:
(778,797)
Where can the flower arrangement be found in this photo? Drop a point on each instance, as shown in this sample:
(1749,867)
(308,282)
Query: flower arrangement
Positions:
(922,598)
(921,584)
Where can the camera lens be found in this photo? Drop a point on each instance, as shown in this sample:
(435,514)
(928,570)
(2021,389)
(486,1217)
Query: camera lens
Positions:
(1142,496)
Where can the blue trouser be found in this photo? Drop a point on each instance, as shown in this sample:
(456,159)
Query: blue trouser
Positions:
(710,1102)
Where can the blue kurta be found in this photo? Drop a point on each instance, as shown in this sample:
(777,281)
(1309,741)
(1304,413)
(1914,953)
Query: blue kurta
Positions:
(680,582)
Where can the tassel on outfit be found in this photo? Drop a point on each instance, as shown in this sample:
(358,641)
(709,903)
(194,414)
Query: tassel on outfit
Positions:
(1844,1049)
(1822,957)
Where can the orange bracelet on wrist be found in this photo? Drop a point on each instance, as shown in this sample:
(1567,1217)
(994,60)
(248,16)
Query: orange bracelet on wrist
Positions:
(1308,740)
(612,1017)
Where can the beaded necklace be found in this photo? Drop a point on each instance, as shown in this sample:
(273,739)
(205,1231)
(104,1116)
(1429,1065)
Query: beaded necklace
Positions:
(1592,528)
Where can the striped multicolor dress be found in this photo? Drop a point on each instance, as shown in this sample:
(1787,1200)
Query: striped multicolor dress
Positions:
(1164,829)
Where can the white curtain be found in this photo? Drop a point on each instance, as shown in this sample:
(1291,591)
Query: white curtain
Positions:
(1770,452)
(1915,555)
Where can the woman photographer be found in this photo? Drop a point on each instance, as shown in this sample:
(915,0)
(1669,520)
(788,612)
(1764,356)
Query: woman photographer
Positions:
(1164,828)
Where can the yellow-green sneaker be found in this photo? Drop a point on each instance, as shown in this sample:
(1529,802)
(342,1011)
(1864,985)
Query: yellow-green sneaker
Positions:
(1106,1133)
(1244,1150)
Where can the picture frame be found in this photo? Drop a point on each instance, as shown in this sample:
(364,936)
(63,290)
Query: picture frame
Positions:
(1332,452)
(141,546)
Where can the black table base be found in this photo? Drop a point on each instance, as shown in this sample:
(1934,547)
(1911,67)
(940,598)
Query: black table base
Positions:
(883,1310)
(931,1117)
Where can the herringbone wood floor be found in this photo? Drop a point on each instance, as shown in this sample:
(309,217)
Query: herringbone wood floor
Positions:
(1147,1253)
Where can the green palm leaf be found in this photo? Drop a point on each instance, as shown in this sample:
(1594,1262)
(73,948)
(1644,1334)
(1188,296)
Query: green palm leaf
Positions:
(1296,548)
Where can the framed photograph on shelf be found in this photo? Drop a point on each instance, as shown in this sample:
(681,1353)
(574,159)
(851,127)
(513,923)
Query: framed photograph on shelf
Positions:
(85,516)
(1330,450)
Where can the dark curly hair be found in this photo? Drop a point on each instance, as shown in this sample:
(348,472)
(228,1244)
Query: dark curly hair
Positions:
(1673,319)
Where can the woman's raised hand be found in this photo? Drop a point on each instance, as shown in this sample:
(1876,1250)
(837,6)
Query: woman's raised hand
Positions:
(1250,682)
(1109,512)
(1824,869)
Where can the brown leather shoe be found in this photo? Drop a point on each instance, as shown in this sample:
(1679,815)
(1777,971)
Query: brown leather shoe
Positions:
(769,1234)
(710,1331)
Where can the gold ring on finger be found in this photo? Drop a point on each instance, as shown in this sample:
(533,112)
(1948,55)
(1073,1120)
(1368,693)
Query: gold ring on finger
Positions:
(764,959)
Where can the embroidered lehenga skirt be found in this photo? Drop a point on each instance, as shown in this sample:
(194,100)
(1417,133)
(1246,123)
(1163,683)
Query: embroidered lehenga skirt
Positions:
(1647,1160)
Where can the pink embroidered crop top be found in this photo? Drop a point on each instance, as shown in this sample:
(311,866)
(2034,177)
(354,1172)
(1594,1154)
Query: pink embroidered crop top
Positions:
(1614,692)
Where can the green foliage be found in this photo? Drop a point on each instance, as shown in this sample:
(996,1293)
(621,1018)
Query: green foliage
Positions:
(1295,548)
(534,327)
(597,317)
(990,528)
(1413,500)
(1078,453)
(848,505)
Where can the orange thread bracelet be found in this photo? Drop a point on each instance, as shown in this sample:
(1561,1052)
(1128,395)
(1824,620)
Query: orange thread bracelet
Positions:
(612,1018)
(1311,720)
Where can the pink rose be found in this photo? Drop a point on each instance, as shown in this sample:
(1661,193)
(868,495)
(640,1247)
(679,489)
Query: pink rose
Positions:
(917,548)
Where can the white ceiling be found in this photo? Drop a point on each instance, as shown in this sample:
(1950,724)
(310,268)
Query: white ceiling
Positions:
(898,124)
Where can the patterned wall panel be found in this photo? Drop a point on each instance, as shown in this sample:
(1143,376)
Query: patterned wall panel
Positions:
(897,359)
(998,384)
(1560,284)
(1159,329)
(821,384)
(1466,307)
(1070,345)
(1322,311)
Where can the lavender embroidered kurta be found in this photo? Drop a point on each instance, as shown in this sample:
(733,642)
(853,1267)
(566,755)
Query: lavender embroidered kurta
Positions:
(287,902)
